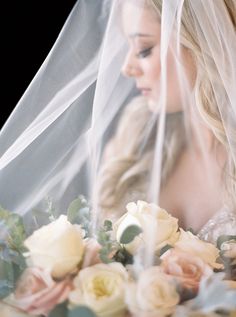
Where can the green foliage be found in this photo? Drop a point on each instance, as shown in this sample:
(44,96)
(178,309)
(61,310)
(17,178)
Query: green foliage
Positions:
(192,231)
(79,213)
(130,233)
(12,229)
(111,250)
(165,248)
(225,238)
(123,256)
(9,273)
(7,281)
(59,311)
(12,262)
(35,219)
(51,210)
(104,255)
(214,295)
(107,244)
(81,311)
(229,263)
(108,225)
(184,292)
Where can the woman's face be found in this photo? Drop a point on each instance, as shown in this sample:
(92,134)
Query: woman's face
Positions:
(141,27)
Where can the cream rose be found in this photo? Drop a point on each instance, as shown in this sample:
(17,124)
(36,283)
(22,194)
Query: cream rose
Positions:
(58,247)
(101,287)
(155,223)
(153,295)
(91,253)
(192,245)
(9,311)
(187,270)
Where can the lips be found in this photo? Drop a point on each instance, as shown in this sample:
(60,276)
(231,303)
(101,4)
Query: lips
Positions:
(144,91)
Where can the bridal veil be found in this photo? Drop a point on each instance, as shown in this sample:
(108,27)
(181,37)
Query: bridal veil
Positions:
(82,127)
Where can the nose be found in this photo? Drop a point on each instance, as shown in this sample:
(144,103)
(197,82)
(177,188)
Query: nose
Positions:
(130,67)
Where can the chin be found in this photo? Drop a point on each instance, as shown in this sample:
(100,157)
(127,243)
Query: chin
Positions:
(154,106)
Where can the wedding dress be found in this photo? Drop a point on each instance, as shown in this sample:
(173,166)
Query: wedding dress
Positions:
(222,223)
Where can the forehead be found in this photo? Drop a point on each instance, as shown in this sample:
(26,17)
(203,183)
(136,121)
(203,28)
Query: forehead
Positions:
(137,18)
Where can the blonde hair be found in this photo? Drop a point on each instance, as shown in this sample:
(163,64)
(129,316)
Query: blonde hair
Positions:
(204,92)
(124,168)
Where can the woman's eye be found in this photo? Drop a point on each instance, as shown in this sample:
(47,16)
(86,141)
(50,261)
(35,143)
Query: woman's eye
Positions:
(144,53)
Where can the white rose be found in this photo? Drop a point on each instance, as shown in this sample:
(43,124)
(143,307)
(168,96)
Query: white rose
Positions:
(155,223)
(153,295)
(101,287)
(191,244)
(57,247)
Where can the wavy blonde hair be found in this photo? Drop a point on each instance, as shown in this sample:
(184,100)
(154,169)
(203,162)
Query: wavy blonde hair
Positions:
(124,168)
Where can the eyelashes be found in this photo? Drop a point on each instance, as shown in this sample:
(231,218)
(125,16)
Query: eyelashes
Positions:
(145,53)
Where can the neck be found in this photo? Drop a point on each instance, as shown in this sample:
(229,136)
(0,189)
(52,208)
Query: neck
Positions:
(200,138)
(203,144)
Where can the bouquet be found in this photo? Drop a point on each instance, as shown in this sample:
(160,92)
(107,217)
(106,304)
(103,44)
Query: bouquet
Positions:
(141,265)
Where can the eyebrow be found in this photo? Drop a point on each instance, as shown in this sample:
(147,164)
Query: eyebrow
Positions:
(132,35)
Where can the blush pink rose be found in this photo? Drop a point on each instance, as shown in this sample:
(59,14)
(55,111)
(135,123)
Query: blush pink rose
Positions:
(37,293)
(187,270)
(91,254)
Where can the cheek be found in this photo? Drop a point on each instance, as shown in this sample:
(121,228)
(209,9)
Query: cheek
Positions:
(174,97)
(185,74)
(152,69)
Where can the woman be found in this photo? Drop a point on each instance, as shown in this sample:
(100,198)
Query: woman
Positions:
(174,145)
(198,183)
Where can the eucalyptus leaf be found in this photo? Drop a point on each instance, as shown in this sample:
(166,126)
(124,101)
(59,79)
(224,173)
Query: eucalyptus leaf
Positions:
(123,256)
(59,311)
(6,270)
(104,255)
(130,233)
(50,208)
(3,213)
(75,207)
(225,238)
(214,295)
(103,238)
(12,256)
(81,311)
(35,219)
(17,271)
(7,279)
(192,231)
(107,225)
(6,288)
(165,248)
(12,229)
(79,213)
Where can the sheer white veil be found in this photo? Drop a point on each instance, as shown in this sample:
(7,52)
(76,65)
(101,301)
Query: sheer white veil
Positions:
(48,127)
(52,144)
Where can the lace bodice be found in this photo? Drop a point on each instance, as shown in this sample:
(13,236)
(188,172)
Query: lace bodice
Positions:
(223,222)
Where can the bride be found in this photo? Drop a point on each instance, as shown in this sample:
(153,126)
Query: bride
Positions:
(198,169)
(163,131)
